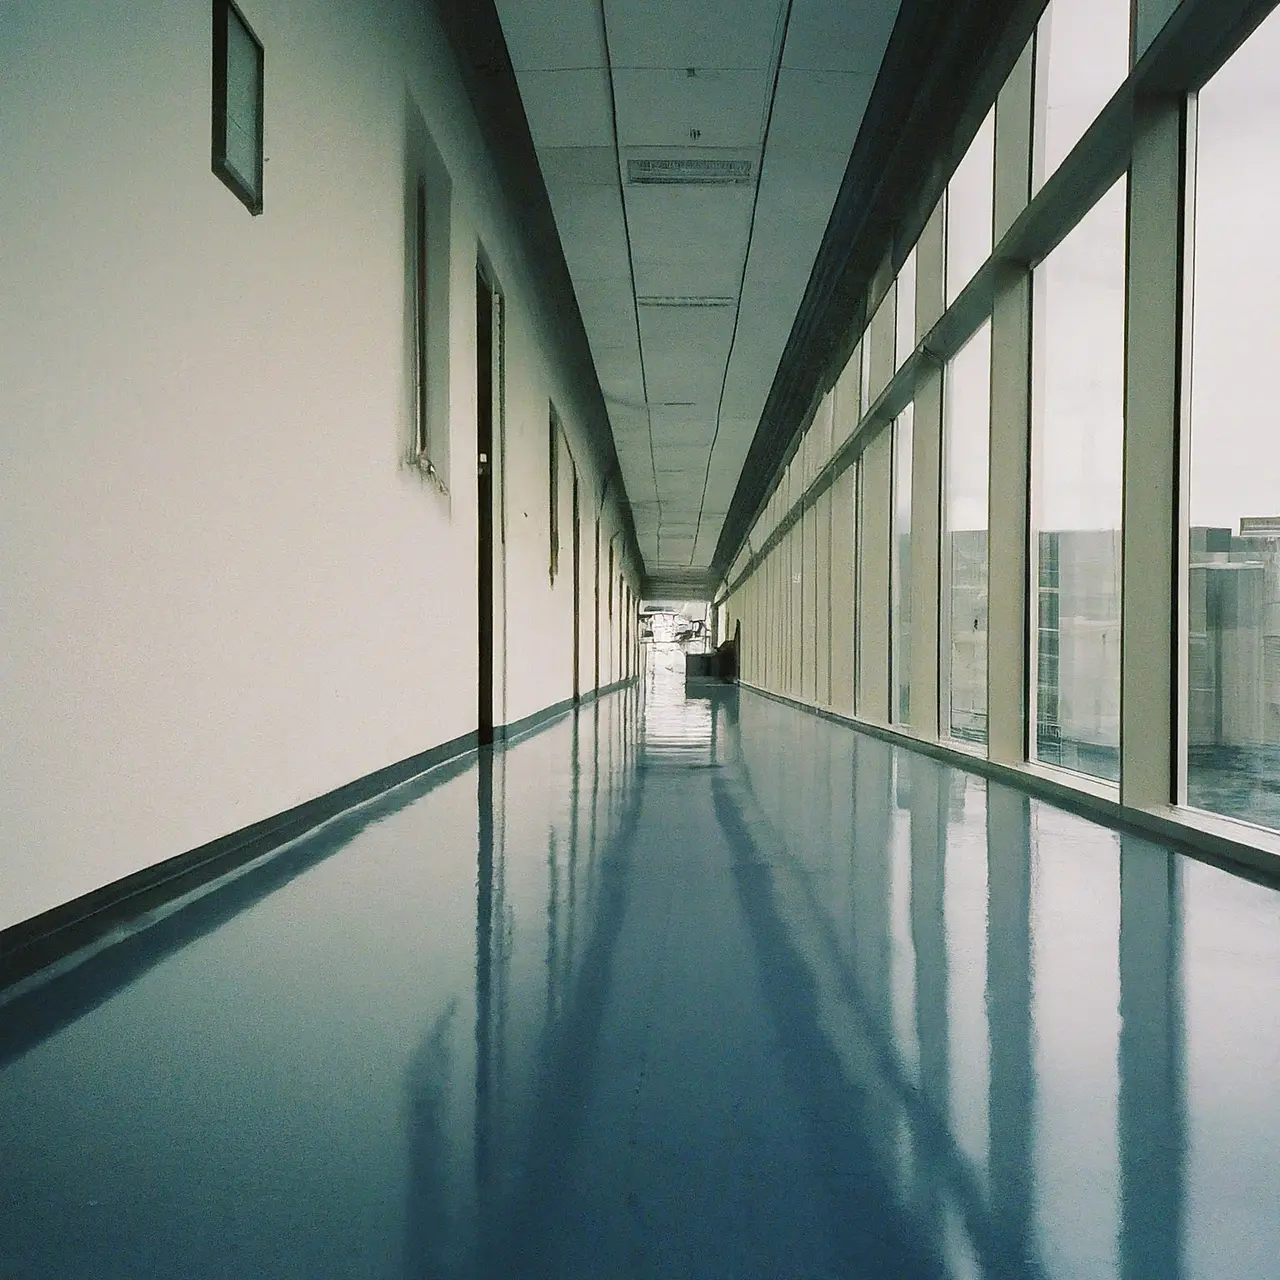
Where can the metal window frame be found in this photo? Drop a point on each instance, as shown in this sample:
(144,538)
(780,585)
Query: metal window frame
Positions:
(250,195)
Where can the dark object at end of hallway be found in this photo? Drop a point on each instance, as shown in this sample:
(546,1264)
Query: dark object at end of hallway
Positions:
(722,665)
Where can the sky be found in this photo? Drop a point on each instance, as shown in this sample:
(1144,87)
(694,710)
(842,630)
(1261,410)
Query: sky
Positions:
(1235,445)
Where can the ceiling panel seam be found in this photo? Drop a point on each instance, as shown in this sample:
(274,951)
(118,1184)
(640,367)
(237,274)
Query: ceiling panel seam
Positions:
(746,258)
(631,267)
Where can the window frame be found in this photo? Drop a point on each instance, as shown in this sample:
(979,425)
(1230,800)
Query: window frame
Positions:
(251,196)
(421,302)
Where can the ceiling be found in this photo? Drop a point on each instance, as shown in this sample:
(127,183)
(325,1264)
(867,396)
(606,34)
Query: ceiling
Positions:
(692,151)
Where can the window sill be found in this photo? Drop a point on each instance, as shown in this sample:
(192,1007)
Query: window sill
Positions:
(1239,846)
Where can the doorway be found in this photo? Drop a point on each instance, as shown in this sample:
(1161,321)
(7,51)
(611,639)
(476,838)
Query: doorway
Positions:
(484,505)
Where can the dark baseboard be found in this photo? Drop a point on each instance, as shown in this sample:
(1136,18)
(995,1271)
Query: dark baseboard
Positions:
(527,724)
(595,694)
(34,944)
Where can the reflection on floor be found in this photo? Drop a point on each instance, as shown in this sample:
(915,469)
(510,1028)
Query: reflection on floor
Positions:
(675,988)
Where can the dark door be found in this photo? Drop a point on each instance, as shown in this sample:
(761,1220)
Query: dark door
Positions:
(577,591)
(484,509)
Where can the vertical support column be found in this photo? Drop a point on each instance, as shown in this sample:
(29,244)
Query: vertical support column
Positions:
(842,579)
(809,628)
(772,620)
(1152,609)
(1010,455)
(1009,477)
(1148,17)
(795,610)
(926,487)
(750,668)
(786,615)
(873,580)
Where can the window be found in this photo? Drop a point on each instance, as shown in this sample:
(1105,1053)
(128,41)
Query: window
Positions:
(1077,465)
(1232,681)
(905,341)
(900,566)
(971,209)
(553,491)
(428,194)
(237,104)
(966,428)
(1082,57)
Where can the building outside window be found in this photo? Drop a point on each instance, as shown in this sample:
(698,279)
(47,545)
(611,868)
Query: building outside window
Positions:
(966,441)
(1232,680)
(1077,466)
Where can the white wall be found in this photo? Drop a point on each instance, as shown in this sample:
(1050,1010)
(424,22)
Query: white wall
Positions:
(224,592)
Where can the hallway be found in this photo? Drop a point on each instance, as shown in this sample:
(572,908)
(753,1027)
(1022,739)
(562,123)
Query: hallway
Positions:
(674,987)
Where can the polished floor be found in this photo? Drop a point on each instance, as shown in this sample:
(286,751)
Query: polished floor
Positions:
(678,987)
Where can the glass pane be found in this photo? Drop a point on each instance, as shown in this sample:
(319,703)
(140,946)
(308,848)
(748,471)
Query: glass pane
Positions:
(244,91)
(906,315)
(1077,455)
(1082,58)
(901,566)
(864,372)
(967,406)
(970,209)
(1233,702)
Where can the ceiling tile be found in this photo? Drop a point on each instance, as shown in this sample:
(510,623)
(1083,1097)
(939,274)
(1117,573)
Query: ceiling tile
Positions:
(567,108)
(665,108)
(630,422)
(695,33)
(837,35)
(579,166)
(705,548)
(683,425)
(608,311)
(592,232)
(818,111)
(676,340)
(681,460)
(620,380)
(552,34)
(688,241)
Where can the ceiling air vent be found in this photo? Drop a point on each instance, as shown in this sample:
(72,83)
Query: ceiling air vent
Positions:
(677,300)
(688,171)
